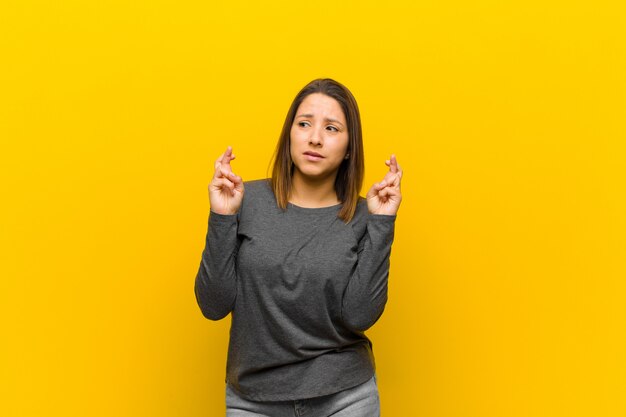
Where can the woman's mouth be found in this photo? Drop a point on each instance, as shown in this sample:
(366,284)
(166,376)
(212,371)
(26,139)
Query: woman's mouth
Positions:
(313,156)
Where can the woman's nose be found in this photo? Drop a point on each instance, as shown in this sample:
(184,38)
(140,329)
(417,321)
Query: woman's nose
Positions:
(316,137)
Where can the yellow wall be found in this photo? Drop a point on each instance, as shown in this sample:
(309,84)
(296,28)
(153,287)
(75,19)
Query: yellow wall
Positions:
(507,292)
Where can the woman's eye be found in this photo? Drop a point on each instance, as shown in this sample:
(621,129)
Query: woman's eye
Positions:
(302,124)
(333,128)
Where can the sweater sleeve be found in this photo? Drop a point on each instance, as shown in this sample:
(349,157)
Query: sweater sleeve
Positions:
(216,280)
(365,296)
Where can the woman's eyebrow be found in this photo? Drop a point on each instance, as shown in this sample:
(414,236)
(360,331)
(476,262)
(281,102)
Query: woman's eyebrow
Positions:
(327,119)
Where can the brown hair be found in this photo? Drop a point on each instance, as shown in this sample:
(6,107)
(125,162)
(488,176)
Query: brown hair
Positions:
(351,171)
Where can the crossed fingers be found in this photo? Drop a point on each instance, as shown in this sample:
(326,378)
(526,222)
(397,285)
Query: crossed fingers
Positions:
(222,164)
(394,175)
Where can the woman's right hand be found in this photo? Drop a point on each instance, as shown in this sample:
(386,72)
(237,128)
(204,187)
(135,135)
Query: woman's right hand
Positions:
(225,188)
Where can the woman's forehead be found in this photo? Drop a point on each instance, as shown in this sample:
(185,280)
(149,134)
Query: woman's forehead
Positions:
(320,105)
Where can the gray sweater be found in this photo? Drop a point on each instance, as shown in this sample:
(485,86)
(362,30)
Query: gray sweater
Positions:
(302,287)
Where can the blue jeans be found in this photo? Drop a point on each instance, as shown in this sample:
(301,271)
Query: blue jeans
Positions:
(359,401)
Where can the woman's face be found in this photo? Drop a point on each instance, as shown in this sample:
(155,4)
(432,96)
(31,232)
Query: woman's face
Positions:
(319,137)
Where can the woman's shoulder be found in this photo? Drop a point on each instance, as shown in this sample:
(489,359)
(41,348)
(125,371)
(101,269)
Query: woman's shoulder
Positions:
(258,191)
(258,182)
(263,185)
(361,212)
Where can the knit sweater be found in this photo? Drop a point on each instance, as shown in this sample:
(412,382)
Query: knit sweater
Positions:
(302,286)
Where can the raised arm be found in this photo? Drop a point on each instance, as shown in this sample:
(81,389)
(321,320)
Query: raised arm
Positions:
(366,294)
(216,280)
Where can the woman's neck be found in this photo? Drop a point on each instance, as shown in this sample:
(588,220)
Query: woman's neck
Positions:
(306,192)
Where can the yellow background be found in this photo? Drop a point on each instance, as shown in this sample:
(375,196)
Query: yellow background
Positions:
(507,291)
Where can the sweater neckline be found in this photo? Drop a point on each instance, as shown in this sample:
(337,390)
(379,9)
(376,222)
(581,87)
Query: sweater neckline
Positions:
(313,210)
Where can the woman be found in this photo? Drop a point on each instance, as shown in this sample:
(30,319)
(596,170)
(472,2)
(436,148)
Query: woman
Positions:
(302,263)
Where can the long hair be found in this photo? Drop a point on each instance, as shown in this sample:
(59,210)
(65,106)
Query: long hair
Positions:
(351,171)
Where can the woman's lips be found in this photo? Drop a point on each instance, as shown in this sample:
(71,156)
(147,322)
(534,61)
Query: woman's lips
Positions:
(313,156)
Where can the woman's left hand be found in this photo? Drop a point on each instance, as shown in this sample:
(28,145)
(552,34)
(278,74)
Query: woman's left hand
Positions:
(384,197)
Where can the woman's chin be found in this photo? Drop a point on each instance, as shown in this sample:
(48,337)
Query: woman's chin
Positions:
(315,175)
